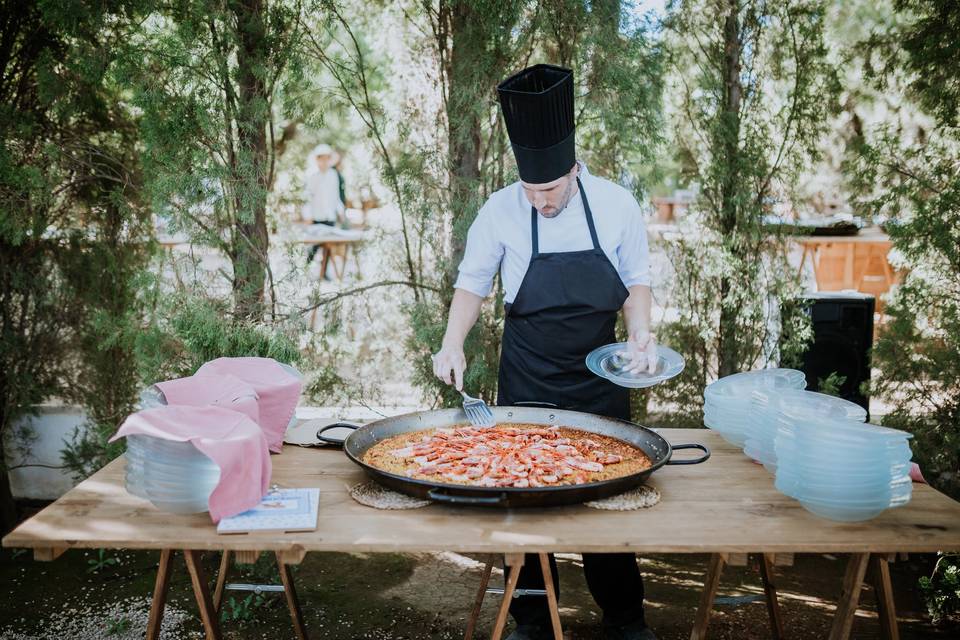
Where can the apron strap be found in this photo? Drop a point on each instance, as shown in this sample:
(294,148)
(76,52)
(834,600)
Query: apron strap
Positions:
(535,236)
(586,209)
(533,231)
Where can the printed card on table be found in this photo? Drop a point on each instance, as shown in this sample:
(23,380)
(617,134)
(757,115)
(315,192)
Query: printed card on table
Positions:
(280,510)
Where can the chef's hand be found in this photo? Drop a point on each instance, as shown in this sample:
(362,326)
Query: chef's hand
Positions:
(641,353)
(449,359)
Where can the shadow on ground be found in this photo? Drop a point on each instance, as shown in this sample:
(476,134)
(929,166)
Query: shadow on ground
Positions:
(88,595)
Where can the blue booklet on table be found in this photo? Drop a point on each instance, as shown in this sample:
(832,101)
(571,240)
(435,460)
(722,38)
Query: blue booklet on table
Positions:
(280,510)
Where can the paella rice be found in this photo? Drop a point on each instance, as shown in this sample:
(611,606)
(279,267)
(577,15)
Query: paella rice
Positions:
(507,455)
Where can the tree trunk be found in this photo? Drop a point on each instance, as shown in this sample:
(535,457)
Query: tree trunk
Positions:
(252,171)
(463,125)
(729,138)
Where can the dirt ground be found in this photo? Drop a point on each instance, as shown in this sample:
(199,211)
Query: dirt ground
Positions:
(86,594)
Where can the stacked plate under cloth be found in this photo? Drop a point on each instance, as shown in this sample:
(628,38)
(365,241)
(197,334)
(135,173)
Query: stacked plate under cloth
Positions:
(174,476)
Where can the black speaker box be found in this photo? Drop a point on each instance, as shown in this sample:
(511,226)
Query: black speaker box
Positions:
(842,339)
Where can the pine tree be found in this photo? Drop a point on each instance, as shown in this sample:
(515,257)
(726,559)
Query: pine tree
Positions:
(753,90)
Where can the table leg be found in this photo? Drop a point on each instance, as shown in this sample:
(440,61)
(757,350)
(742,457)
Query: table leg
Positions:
(803,260)
(551,596)
(888,275)
(883,588)
(324,260)
(478,603)
(160,589)
(770,590)
(293,604)
(710,584)
(343,263)
(848,260)
(512,565)
(849,596)
(208,615)
(815,262)
(222,572)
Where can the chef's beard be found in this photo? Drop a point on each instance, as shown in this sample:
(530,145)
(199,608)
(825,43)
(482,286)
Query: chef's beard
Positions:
(567,197)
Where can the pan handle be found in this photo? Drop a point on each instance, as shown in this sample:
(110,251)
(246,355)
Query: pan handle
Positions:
(703,458)
(336,425)
(439,496)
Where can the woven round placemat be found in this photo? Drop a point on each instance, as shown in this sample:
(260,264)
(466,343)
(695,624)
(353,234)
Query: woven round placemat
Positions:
(371,494)
(642,497)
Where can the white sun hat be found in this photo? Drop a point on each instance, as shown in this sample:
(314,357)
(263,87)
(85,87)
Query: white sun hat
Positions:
(325,150)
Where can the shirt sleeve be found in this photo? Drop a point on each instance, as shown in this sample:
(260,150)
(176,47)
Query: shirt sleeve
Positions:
(634,253)
(482,256)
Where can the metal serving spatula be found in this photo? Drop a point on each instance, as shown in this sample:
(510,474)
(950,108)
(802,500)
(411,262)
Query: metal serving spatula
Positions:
(478,413)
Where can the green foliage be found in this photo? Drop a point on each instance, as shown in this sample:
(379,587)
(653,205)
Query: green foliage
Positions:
(184,333)
(439,183)
(932,52)
(753,90)
(101,562)
(34,362)
(72,227)
(248,609)
(831,384)
(205,76)
(912,177)
(263,570)
(199,330)
(941,590)
(619,71)
(244,610)
(116,626)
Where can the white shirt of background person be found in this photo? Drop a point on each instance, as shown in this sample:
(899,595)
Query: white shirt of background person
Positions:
(322,188)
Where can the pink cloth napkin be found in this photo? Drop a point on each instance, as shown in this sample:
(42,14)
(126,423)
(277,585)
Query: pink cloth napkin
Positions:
(229,392)
(231,439)
(915,473)
(278,391)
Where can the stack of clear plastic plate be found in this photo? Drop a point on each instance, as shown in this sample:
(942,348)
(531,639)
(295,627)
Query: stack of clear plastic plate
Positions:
(792,405)
(726,407)
(174,476)
(842,469)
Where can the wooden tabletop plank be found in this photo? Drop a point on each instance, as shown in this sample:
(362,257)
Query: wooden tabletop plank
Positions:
(866,236)
(726,505)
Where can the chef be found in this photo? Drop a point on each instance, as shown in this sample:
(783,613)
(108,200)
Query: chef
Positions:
(571,250)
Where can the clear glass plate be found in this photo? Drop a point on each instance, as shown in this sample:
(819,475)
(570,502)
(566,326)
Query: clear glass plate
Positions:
(606,362)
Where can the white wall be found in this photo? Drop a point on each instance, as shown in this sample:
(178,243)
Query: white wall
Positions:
(50,427)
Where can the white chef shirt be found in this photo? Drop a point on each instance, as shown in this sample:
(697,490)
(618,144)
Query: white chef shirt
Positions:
(322,195)
(500,236)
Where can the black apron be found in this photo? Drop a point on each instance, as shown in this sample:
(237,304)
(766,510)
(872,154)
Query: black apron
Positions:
(567,306)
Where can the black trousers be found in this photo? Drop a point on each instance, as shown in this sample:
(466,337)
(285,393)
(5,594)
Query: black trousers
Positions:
(613,578)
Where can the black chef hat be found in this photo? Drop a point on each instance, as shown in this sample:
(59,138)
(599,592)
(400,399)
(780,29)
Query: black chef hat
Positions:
(537,106)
